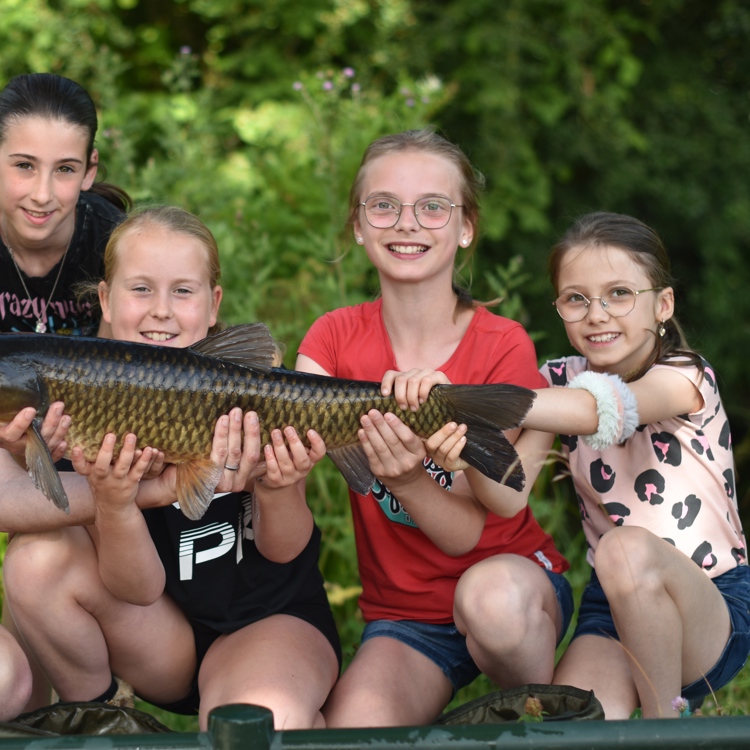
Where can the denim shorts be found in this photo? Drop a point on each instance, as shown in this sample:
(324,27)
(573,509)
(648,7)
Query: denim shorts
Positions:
(595,618)
(445,646)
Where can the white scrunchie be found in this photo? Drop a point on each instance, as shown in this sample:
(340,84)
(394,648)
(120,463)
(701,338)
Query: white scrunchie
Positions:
(616,408)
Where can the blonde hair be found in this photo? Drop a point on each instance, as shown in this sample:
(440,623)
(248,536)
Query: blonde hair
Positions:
(427,141)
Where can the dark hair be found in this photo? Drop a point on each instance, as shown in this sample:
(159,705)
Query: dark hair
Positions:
(54,97)
(428,141)
(601,230)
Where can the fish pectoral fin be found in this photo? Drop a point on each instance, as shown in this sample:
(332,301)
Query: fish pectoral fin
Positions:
(196,481)
(248,345)
(352,462)
(42,469)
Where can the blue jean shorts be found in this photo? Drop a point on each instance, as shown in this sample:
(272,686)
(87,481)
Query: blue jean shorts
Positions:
(595,618)
(445,646)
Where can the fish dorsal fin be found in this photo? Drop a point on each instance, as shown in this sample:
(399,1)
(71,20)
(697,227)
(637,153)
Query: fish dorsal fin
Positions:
(352,462)
(196,481)
(42,468)
(248,345)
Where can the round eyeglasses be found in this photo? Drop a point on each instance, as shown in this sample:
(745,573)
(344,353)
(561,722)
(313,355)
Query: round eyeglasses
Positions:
(615,301)
(383,212)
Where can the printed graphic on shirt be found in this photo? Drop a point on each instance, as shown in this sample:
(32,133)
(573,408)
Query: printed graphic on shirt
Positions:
(390,505)
(65,317)
(203,543)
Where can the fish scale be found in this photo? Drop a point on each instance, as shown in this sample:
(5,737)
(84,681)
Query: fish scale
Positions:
(171,399)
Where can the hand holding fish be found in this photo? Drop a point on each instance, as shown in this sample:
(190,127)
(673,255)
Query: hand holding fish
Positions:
(288,460)
(114,483)
(411,388)
(53,428)
(236,449)
(445,447)
(392,449)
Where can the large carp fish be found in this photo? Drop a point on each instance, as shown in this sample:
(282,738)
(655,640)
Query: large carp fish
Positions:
(171,398)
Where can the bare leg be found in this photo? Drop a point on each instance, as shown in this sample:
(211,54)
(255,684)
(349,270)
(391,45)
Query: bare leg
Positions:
(598,663)
(671,619)
(41,690)
(387,684)
(15,677)
(282,663)
(508,610)
(79,633)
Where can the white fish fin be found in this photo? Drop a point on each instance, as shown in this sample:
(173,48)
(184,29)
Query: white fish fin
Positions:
(248,345)
(42,468)
(352,462)
(196,482)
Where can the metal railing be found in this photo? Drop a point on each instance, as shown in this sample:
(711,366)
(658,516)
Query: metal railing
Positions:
(243,727)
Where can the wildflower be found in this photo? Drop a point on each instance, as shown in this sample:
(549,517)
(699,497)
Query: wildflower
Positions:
(409,102)
(356,88)
(298,85)
(185,50)
(533,710)
(682,706)
(327,85)
(348,72)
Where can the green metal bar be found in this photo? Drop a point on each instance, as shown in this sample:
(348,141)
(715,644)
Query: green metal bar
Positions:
(241,727)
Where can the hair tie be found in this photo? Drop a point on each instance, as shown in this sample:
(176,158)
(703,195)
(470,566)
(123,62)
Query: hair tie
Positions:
(616,408)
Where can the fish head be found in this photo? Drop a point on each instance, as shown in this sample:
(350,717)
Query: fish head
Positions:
(20,387)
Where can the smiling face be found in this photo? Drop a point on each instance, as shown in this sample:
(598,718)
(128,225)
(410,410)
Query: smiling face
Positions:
(160,290)
(618,345)
(408,251)
(43,168)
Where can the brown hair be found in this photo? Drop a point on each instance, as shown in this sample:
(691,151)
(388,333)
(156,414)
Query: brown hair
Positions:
(54,97)
(428,141)
(600,230)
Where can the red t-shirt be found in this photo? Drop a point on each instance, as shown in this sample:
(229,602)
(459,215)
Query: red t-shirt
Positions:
(404,575)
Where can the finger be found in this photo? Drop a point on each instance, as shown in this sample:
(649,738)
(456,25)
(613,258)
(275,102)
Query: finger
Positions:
(142,463)
(386,384)
(16,428)
(158,462)
(234,438)
(434,443)
(317,446)
(103,459)
(80,464)
(219,446)
(297,451)
(129,454)
(402,433)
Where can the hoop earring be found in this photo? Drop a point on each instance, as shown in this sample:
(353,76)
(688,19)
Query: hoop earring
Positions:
(661,330)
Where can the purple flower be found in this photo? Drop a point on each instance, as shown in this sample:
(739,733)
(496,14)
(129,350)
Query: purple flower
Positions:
(410,102)
(185,50)
(327,85)
(298,85)
(681,705)
(348,72)
(355,88)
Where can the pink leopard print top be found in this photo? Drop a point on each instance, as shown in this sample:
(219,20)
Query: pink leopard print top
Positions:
(675,478)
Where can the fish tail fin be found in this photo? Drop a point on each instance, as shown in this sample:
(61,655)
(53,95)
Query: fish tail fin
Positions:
(486,412)
(196,482)
(42,469)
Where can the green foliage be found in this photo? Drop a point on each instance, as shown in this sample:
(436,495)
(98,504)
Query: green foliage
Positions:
(254,115)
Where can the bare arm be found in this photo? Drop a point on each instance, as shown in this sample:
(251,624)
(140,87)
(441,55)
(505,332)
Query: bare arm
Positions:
(282,520)
(129,564)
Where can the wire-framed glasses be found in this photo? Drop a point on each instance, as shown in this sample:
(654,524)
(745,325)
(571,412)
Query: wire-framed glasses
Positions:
(433,212)
(615,301)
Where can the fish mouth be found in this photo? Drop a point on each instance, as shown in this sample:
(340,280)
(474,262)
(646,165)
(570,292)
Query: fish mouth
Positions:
(602,338)
(412,249)
(158,337)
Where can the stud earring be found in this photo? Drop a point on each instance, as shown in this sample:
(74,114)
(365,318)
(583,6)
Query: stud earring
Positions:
(464,242)
(359,240)
(661,330)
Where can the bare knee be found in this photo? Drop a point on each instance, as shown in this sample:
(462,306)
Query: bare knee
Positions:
(495,601)
(627,561)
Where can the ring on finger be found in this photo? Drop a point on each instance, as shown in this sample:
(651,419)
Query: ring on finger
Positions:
(231,468)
